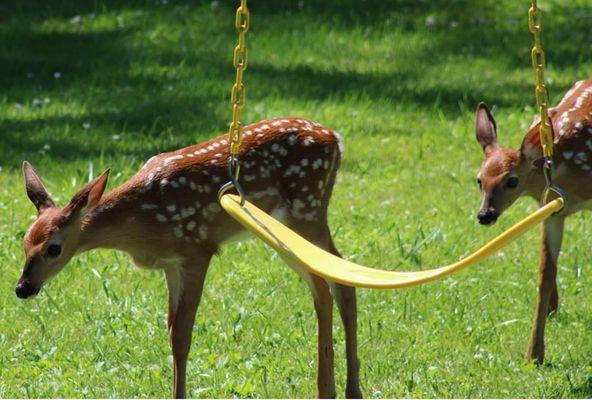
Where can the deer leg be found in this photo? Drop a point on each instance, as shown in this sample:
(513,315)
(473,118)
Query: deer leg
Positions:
(345,297)
(185,285)
(323,303)
(550,247)
(554,302)
(347,304)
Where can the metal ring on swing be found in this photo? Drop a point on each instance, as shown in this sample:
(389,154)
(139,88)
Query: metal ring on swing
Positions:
(233,173)
(550,186)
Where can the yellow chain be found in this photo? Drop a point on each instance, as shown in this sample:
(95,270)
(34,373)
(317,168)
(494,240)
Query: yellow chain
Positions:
(535,24)
(237,99)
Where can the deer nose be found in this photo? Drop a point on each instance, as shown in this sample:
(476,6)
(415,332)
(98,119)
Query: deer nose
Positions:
(25,289)
(487,217)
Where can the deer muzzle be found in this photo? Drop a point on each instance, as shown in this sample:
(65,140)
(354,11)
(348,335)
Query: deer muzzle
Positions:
(487,216)
(25,289)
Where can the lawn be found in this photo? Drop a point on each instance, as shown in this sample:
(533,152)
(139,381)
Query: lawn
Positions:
(89,85)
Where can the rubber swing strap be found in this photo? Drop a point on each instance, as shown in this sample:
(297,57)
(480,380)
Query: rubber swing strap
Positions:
(301,254)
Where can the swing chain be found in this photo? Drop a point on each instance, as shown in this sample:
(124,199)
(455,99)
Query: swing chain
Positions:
(535,25)
(237,99)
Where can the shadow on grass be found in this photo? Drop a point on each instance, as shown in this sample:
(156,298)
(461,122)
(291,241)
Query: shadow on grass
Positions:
(151,105)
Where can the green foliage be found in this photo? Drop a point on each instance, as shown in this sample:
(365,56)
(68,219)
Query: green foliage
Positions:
(87,85)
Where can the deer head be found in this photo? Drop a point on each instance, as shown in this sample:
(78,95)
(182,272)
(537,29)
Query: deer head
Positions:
(505,173)
(54,237)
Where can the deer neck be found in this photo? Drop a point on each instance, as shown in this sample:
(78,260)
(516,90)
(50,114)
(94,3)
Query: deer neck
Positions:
(534,177)
(110,224)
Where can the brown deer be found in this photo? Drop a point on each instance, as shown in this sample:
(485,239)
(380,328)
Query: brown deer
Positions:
(507,174)
(167,217)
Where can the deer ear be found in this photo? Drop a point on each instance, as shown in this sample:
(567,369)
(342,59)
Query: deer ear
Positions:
(35,189)
(485,128)
(88,197)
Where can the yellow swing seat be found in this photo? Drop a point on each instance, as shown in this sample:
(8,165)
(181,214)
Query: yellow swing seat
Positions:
(300,253)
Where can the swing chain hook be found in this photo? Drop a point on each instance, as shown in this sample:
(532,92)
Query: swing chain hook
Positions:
(550,187)
(233,173)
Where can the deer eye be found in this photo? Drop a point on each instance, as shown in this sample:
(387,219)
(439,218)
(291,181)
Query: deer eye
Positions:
(512,182)
(54,250)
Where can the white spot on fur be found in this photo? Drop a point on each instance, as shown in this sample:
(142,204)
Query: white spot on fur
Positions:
(178,231)
(213,208)
(171,208)
(311,216)
(580,158)
(161,218)
(172,158)
(583,97)
(293,169)
(339,142)
(187,212)
(190,225)
(298,204)
(150,179)
(149,161)
(568,154)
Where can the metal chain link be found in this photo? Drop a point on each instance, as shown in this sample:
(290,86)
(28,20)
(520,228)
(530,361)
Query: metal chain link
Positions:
(537,54)
(237,98)
(535,24)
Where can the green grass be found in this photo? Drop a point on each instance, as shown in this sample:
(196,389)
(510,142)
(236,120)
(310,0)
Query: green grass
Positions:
(399,80)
